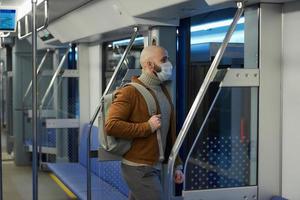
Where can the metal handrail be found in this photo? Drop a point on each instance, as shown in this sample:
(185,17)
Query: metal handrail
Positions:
(37,72)
(125,60)
(20,36)
(199,98)
(4,35)
(99,108)
(55,75)
(34,105)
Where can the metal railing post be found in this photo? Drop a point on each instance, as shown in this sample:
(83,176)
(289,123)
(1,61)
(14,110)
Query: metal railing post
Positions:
(198,100)
(34,105)
(1,111)
(4,35)
(98,109)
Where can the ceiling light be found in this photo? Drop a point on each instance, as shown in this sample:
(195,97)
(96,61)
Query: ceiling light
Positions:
(213,25)
(126,41)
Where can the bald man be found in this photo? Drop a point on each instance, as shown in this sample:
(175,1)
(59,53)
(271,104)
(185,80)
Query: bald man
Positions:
(128,118)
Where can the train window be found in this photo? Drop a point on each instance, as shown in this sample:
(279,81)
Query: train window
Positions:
(207,34)
(112,53)
(215,32)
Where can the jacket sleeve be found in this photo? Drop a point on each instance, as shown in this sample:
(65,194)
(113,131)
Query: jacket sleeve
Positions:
(117,124)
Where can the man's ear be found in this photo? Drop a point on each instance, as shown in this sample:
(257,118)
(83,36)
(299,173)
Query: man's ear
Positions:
(150,65)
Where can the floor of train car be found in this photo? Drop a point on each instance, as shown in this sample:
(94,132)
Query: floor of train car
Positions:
(5,155)
(17,180)
(17,184)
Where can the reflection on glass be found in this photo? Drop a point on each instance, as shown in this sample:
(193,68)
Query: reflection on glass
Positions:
(56,145)
(43,80)
(207,34)
(113,53)
(119,78)
(215,32)
(224,154)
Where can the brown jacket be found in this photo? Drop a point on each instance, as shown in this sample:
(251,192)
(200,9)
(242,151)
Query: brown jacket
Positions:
(128,118)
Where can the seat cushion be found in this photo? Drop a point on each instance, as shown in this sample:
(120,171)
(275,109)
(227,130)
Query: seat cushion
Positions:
(73,175)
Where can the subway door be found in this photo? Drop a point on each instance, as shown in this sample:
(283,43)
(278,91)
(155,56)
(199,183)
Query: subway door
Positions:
(220,151)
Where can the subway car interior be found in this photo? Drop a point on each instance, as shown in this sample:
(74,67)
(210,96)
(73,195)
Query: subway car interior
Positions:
(233,86)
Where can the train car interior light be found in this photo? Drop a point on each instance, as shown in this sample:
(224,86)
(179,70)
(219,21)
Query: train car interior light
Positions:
(214,25)
(124,42)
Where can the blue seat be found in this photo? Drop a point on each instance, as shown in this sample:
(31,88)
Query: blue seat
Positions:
(107,181)
(278,198)
(109,171)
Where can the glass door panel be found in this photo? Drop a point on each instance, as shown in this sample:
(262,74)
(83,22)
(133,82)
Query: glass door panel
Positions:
(224,153)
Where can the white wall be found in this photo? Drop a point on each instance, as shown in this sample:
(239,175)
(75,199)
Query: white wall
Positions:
(89,62)
(291,102)
(95,77)
(84,92)
(269,138)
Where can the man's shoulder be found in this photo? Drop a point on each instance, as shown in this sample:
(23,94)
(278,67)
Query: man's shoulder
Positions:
(127,91)
(128,88)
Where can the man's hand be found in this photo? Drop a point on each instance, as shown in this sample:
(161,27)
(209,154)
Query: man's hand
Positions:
(155,122)
(178,176)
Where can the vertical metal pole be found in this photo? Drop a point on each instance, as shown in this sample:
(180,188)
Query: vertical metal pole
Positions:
(1,110)
(2,95)
(1,185)
(34,105)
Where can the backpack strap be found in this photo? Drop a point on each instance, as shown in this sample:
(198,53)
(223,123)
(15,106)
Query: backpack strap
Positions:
(150,101)
(152,109)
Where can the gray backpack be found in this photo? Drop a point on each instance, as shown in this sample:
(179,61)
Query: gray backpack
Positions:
(112,148)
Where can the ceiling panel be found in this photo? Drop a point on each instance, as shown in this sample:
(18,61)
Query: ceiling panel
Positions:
(58,8)
(215,2)
(12,2)
(182,10)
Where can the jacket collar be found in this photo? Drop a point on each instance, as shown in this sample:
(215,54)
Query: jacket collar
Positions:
(163,87)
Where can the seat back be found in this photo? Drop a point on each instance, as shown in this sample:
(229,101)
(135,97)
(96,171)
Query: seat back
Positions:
(278,198)
(109,171)
(83,143)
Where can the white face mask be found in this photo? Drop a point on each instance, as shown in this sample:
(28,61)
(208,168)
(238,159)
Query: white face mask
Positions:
(166,71)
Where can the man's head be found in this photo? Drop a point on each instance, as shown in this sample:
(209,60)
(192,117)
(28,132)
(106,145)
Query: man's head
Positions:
(155,60)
